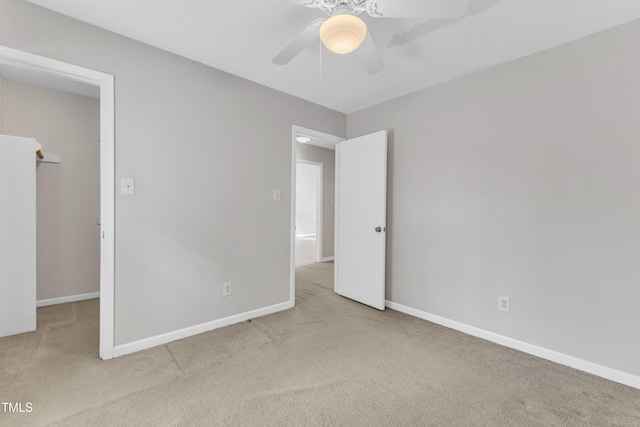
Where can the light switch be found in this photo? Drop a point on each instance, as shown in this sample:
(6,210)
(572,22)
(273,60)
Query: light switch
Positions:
(276,195)
(127,187)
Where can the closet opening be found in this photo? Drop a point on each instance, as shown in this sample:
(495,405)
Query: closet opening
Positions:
(69,111)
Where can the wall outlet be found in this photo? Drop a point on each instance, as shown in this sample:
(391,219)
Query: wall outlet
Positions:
(504,304)
(227,289)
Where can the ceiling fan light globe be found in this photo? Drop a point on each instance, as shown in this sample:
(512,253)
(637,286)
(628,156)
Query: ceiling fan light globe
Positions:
(343,34)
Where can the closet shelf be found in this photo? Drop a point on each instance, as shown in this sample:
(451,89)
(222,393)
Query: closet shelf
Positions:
(48,158)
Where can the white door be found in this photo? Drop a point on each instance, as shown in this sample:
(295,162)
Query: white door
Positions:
(361,213)
(18,231)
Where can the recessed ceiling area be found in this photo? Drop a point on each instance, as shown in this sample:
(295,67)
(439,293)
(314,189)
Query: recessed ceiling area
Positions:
(313,137)
(242,38)
(48,80)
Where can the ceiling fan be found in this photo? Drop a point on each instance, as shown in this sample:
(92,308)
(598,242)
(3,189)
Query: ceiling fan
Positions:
(344,32)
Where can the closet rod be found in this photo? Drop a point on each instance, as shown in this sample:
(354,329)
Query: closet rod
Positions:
(39,153)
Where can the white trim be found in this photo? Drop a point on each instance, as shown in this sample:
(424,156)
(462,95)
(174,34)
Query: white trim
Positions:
(327,259)
(107,217)
(146,343)
(306,235)
(336,221)
(544,353)
(292,249)
(70,298)
(36,63)
(319,210)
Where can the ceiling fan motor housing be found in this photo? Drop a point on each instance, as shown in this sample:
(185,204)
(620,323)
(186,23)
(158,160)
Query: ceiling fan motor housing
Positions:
(354,7)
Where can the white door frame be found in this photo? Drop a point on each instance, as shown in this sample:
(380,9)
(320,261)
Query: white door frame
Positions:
(31,62)
(329,139)
(319,204)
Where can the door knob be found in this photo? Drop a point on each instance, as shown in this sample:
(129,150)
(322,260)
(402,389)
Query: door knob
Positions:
(378,229)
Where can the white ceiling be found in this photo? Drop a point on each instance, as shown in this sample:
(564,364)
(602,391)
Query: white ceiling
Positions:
(241,37)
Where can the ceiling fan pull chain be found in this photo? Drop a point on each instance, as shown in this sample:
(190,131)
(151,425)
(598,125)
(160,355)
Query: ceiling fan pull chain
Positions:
(320,64)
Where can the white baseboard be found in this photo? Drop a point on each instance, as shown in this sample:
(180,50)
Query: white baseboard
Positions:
(146,343)
(326,259)
(544,353)
(70,298)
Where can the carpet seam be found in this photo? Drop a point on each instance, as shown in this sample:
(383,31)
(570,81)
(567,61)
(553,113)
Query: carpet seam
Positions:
(175,360)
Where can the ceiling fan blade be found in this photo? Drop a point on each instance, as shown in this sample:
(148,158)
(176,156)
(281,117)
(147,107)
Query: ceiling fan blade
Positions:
(369,56)
(302,40)
(422,9)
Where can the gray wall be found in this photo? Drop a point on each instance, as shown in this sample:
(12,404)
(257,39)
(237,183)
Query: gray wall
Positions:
(206,149)
(68,194)
(523,181)
(328,159)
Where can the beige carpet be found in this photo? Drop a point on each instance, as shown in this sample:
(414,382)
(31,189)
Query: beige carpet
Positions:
(328,362)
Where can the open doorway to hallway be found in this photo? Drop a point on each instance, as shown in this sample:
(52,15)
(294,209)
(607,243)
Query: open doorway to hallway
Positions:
(313,216)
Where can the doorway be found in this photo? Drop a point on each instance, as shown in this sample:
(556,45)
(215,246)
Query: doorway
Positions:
(313,153)
(52,70)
